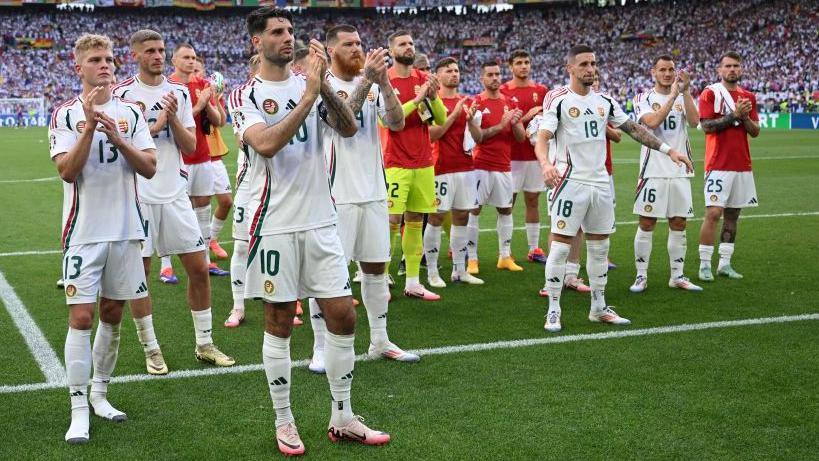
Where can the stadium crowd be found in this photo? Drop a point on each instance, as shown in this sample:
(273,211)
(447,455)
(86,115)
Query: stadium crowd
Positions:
(779,42)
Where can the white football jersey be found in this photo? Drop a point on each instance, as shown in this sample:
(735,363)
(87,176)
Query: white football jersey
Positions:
(168,183)
(243,159)
(673,131)
(356,164)
(290,191)
(578,124)
(101,205)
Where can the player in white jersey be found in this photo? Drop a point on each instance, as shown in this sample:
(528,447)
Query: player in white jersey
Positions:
(576,117)
(356,171)
(172,223)
(99,143)
(294,249)
(238,260)
(663,187)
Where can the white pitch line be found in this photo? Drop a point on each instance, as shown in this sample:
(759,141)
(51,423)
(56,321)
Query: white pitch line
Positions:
(17,181)
(36,341)
(632,161)
(545,226)
(513,344)
(623,161)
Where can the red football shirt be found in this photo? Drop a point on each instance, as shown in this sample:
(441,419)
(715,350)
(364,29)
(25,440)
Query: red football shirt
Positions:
(410,147)
(449,149)
(525,98)
(728,149)
(495,154)
(202,152)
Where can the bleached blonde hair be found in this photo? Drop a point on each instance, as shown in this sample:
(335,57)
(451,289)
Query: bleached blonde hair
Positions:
(88,42)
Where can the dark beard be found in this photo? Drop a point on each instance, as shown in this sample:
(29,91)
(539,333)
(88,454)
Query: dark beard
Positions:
(351,66)
(406,60)
(278,60)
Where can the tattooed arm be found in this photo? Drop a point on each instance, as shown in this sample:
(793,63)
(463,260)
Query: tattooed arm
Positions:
(715,125)
(640,134)
(356,100)
(339,116)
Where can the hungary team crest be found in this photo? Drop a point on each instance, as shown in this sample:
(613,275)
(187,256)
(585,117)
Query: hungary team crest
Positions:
(270,106)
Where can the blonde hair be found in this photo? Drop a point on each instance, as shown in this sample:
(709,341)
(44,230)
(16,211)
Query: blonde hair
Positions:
(88,42)
(254,63)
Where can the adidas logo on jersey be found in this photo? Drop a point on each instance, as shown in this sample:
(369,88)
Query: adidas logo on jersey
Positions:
(588,112)
(290,105)
(157,106)
(486,111)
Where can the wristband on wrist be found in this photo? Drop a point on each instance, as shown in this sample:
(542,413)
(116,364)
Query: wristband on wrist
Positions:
(664,148)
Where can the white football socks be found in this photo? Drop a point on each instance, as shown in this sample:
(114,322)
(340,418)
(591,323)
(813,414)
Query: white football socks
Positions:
(706,253)
(339,360)
(472,232)
(78,370)
(165,263)
(203,326)
(726,250)
(458,242)
(432,244)
(277,366)
(203,218)
(216,226)
(145,333)
(238,272)
(533,235)
(642,250)
(318,325)
(104,353)
(597,266)
(504,227)
(677,246)
(572,272)
(375,296)
(555,271)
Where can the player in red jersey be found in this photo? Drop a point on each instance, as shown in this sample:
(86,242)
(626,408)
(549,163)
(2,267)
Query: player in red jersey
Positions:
(728,115)
(408,157)
(455,181)
(499,120)
(200,170)
(526,177)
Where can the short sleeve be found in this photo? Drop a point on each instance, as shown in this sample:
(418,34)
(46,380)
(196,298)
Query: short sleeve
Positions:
(550,118)
(380,105)
(754,115)
(60,137)
(706,105)
(616,115)
(244,112)
(642,106)
(141,137)
(184,109)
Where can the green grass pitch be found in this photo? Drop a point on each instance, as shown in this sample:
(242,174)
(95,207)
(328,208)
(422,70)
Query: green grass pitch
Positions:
(738,392)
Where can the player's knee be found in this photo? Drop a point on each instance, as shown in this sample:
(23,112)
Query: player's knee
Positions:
(81,318)
(648,224)
(731,214)
(677,224)
(713,213)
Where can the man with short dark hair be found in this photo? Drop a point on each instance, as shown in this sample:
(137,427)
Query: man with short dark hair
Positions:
(172,224)
(499,121)
(576,117)
(455,181)
(728,116)
(295,250)
(408,158)
(663,187)
(526,177)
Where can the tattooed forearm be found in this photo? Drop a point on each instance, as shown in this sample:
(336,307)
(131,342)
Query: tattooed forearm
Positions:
(339,115)
(640,134)
(394,116)
(715,125)
(356,100)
